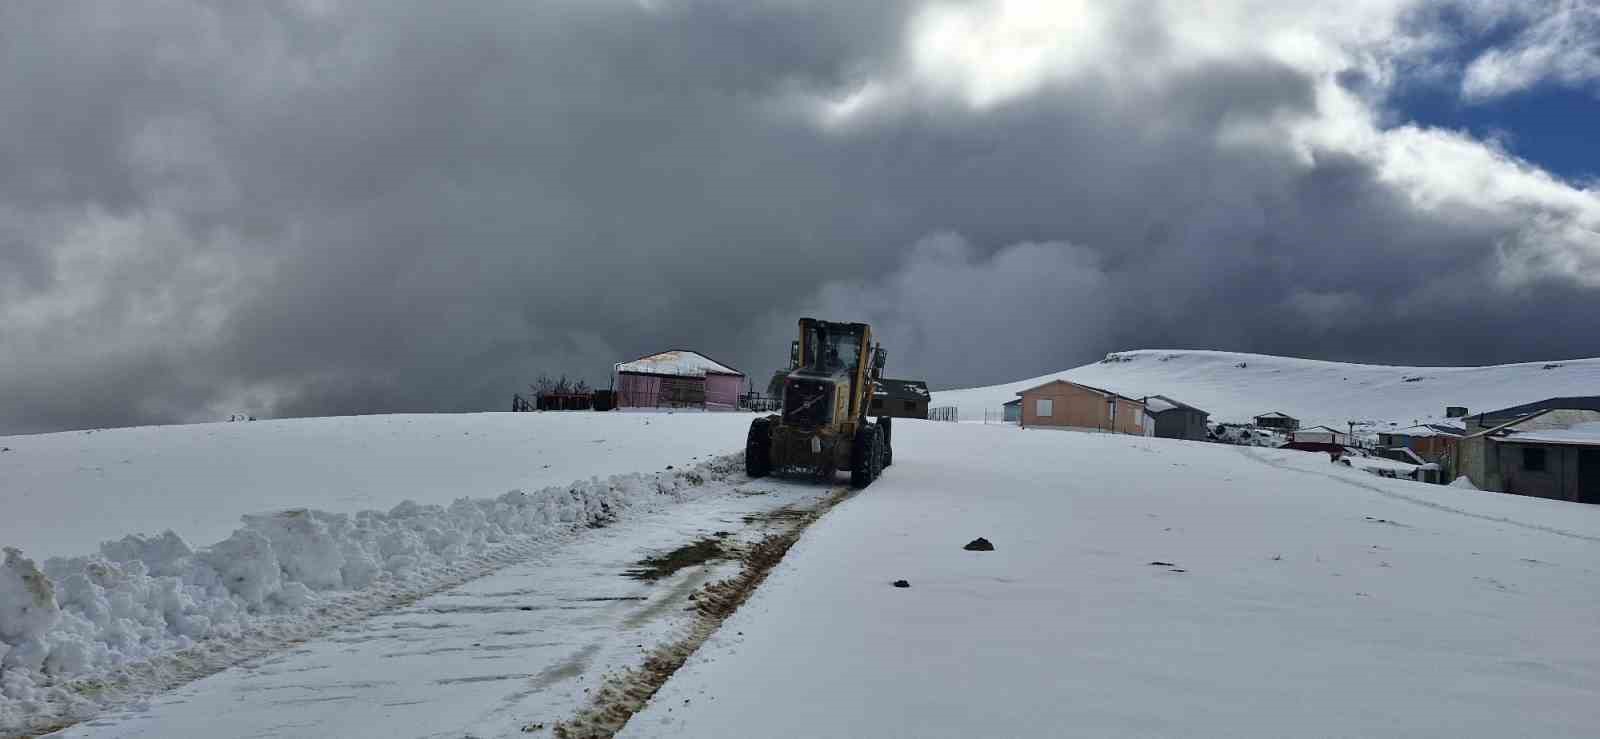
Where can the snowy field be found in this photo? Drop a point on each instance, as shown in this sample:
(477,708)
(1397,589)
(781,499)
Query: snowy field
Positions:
(1147,587)
(1234,387)
(65,493)
(1139,587)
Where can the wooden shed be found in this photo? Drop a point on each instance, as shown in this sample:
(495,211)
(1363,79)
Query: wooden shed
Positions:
(1170,419)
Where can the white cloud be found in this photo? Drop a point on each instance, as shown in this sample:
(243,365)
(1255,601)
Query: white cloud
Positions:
(1560,45)
(987,53)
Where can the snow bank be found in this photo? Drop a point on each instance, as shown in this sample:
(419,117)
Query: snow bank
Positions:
(66,627)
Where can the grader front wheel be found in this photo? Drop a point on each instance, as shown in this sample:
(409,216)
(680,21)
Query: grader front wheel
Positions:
(866,457)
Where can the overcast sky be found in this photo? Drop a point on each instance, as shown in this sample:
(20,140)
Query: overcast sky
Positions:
(323,207)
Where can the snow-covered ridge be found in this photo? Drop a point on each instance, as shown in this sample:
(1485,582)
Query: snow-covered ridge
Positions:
(1235,386)
(73,625)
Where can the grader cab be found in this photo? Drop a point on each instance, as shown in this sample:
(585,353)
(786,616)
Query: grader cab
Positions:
(823,426)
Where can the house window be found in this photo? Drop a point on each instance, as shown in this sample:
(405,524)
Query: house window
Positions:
(1043,407)
(1111,409)
(1533,459)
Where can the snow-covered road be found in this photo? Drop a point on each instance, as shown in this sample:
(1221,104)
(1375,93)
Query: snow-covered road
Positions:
(506,655)
(1139,587)
(1146,587)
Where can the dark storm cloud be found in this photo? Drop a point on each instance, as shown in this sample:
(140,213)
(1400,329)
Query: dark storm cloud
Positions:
(316,208)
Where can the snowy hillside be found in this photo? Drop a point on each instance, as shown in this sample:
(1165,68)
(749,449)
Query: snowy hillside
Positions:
(198,480)
(1234,386)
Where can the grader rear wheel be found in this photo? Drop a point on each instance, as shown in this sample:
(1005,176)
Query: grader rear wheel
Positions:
(758,448)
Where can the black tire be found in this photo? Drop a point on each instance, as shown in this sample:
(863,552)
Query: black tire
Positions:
(861,456)
(758,449)
(888,441)
(878,452)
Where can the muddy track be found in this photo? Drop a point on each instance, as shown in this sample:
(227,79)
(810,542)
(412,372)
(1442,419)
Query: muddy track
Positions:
(626,693)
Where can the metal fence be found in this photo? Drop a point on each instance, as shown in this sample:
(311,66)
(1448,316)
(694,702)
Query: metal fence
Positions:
(944,413)
(997,417)
(760,403)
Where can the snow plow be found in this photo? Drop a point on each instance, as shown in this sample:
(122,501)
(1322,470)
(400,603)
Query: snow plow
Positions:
(822,427)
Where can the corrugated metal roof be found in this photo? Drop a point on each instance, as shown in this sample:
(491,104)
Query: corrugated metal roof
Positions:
(1162,404)
(901,389)
(677,363)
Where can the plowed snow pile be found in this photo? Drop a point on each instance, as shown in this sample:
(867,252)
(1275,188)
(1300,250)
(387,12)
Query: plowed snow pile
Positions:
(149,610)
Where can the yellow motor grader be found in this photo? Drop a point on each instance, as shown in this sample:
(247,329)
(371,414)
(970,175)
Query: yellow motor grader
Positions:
(823,427)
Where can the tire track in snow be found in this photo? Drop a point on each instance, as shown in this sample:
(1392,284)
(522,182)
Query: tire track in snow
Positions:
(1246,451)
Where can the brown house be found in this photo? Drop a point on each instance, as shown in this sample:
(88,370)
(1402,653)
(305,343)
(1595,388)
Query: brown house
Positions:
(1063,404)
(1432,442)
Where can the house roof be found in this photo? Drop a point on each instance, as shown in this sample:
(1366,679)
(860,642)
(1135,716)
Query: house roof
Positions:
(1425,430)
(1090,388)
(1276,414)
(1324,428)
(901,389)
(677,363)
(1582,434)
(1010,403)
(1162,404)
(1573,403)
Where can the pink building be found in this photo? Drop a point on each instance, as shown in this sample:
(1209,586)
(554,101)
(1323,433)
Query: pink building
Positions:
(678,379)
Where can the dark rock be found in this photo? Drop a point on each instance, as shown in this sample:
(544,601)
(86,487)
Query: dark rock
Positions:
(902,584)
(1162,564)
(979,544)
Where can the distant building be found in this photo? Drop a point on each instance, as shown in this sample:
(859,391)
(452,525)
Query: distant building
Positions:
(900,399)
(677,379)
(1552,451)
(1169,419)
(1012,412)
(1320,435)
(1063,404)
(1277,421)
(1432,442)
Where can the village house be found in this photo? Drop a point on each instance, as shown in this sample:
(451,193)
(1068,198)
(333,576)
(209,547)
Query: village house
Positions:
(1552,451)
(1063,404)
(900,399)
(1170,419)
(677,379)
(1431,442)
(1277,421)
